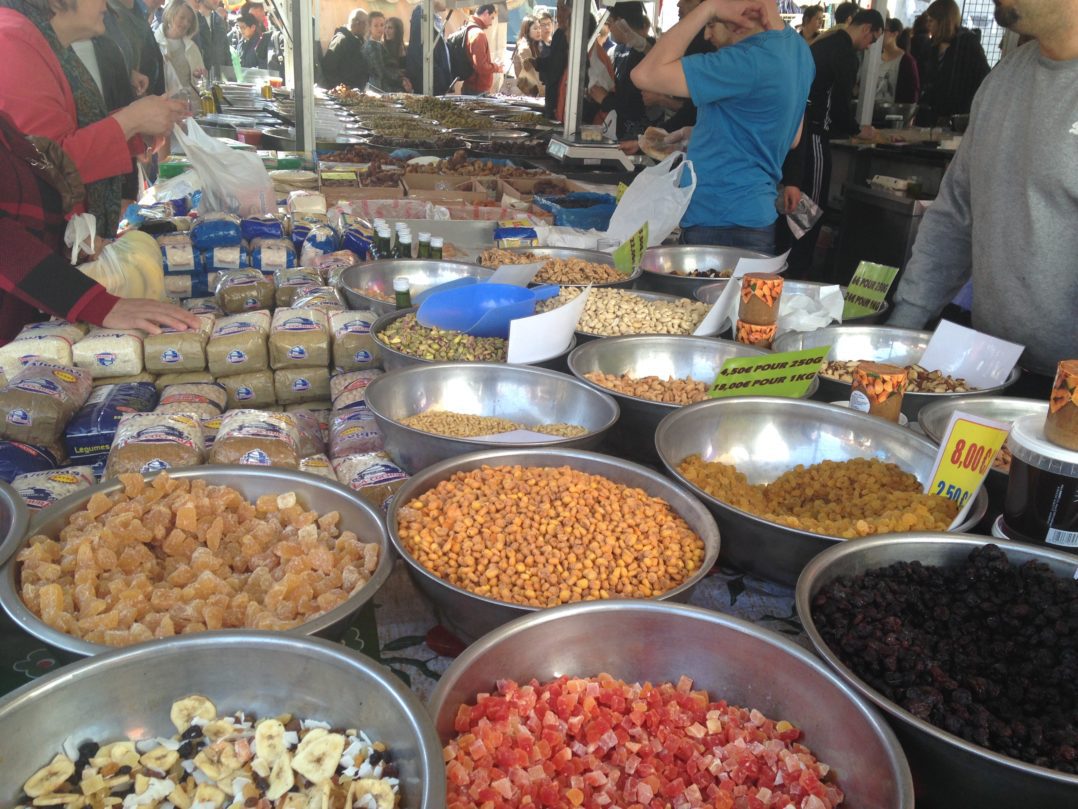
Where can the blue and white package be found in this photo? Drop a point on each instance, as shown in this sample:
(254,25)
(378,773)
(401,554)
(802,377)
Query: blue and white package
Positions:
(89,434)
(359,242)
(320,241)
(270,255)
(17,459)
(222,259)
(41,489)
(266,226)
(180,255)
(216,230)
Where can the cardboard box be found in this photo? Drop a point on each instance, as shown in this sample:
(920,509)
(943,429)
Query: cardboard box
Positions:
(438,182)
(521,188)
(336,194)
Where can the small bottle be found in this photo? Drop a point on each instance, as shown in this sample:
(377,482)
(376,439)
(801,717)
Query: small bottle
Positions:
(402,290)
(385,243)
(205,98)
(267,91)
(404,245)
(218,95)
(436,244)
(424,245)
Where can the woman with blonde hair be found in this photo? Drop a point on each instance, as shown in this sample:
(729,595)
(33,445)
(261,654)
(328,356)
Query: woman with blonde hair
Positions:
(176,38)
(529,43)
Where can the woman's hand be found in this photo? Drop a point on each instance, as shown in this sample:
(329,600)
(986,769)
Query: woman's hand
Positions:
(148,315)
(150,115)
(140,83)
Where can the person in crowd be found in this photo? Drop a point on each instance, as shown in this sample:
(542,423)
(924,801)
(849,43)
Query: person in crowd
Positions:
(414,58)
(682,110)
(176,38)
(829,115)
(256,9)
(154,10)
(898,80)
(1006,208)
(920,44)
(217,52)
(276,52)
(146,54)
(604,40)
(629,28)
(253,44)
(750,99)
(385,55)
(527,52)
(546,26)
(844,13)
(812,19)
(35,277)
(47,91)
(482,80)
(201,36)
(553,63)
(345,62)
(955,68)
(374,51)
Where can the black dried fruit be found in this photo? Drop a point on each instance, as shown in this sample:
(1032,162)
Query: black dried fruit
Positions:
(193,732)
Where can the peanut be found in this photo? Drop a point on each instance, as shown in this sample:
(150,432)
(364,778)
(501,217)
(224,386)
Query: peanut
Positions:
(667,391)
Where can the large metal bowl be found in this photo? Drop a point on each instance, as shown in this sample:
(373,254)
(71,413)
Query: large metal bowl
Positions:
(711,292)
(585,336)
(314,492)
(593,256)
(766,436)
(392,359)
(519,393)
(358,282)
(127,693)
(950,771)
(659,262)
(645,641)
(14,517)
(471,615)
(878,344)
(651,355)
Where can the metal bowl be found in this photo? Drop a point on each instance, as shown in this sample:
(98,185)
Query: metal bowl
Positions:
(949,770)
(393,359)
(878,344)
(651,355)
(489,135)
(14,517)
(127,693)
(766,436)
(422,273)
(316,493)
(519,393)
(645,641)
(585,336)
(471,615)
(593,256)
(659,262)
(711,292)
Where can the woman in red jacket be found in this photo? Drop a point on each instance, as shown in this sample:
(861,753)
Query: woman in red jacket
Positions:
(47,90)
(34,275)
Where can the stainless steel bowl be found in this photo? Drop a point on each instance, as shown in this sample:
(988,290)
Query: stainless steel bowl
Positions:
(14,517)
(593,256)
(659,262)
(878,344)
(949,771)
(764,437)
(358,282)
(489,135)
(128,693)
(651,355)
(314,492)
(650,296)
(392,359)
(711,292)
(645,641)
(471,615)
(519,393)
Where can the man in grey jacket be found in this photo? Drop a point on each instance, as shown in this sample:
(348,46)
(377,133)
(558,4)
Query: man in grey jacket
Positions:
(1008,205)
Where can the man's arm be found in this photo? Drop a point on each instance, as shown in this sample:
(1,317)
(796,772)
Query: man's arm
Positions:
(845,69)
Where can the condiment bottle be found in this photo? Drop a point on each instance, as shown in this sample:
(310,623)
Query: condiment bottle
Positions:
(404,245)
(385,243)
(1061,424)
(402,291)
(436,243)
(424,245)
(878,389)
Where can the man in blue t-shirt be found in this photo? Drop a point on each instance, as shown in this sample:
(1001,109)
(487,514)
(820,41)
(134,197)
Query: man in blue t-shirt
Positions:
(750,98)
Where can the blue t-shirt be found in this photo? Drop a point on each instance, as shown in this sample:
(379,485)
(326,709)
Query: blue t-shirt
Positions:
(750,98)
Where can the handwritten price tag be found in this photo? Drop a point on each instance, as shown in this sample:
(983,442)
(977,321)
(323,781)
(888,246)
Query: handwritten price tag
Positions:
(868,289)
(965,456)
(628,256)
(788,374)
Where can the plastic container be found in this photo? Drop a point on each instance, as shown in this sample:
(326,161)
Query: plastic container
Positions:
(1041,506)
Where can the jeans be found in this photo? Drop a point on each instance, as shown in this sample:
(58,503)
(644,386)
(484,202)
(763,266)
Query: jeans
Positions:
(762,240)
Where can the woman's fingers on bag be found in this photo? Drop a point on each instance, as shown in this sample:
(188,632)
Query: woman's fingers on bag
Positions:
(149,315)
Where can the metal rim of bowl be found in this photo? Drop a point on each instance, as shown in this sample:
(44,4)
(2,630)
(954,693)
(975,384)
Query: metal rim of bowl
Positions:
(593,256)
(928,408)
(649,296)
(375,265)
(802,603)
(545,373)
(428,744)
(11,601)
(495,637)
(976,512)
(409,491)
(12,504)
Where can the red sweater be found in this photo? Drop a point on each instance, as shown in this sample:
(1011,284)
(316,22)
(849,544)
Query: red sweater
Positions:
(34,275)
(479,49)
(35,93)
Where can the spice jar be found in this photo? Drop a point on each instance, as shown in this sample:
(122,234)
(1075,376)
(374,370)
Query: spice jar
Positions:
(1042,489)
(760,294)
(878,389)
(1061,424)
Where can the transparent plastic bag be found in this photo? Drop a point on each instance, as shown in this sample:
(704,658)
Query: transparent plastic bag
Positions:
(657,197)
(232,181)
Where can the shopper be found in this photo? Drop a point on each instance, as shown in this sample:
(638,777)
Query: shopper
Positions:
(345,61)
(555,61)
(898,81)
(147,55)
(812,20)
(546,25)
(374,51)
(183,60)
(414,59)
(1006,209)
(527,52)
(955,68)
(34,275)
(394,78)
(217,54)
(682,110)
(629,28)
(47,91)
(829,114)
(253,44)
(750,100)
(478,46)
(921,45)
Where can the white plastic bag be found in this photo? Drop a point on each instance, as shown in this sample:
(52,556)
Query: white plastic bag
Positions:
(233,181)
(81,235)
(130,267)
(655,197)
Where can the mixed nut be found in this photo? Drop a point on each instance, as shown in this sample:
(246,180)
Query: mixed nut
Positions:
(920,380)
(570,271)
(667,391)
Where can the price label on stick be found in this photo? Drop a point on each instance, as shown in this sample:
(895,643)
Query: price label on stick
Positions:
(628,256)
(969,445)
(868,289)
(787,374)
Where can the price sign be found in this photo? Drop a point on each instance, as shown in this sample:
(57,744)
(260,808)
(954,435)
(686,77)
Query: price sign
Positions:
(787,374)
(868,289)
(969,445)
(622,188)
(628,256)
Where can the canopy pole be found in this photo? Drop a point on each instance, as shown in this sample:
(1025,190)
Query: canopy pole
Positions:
(303,73)
(428,47)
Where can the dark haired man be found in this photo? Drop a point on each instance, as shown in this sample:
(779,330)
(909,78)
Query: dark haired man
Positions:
(482,80)
(811,23)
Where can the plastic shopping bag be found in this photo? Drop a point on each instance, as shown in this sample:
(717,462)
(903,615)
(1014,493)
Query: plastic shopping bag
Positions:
(130,267)
(81,235)
(802,218)
(232,181)
(657,197)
